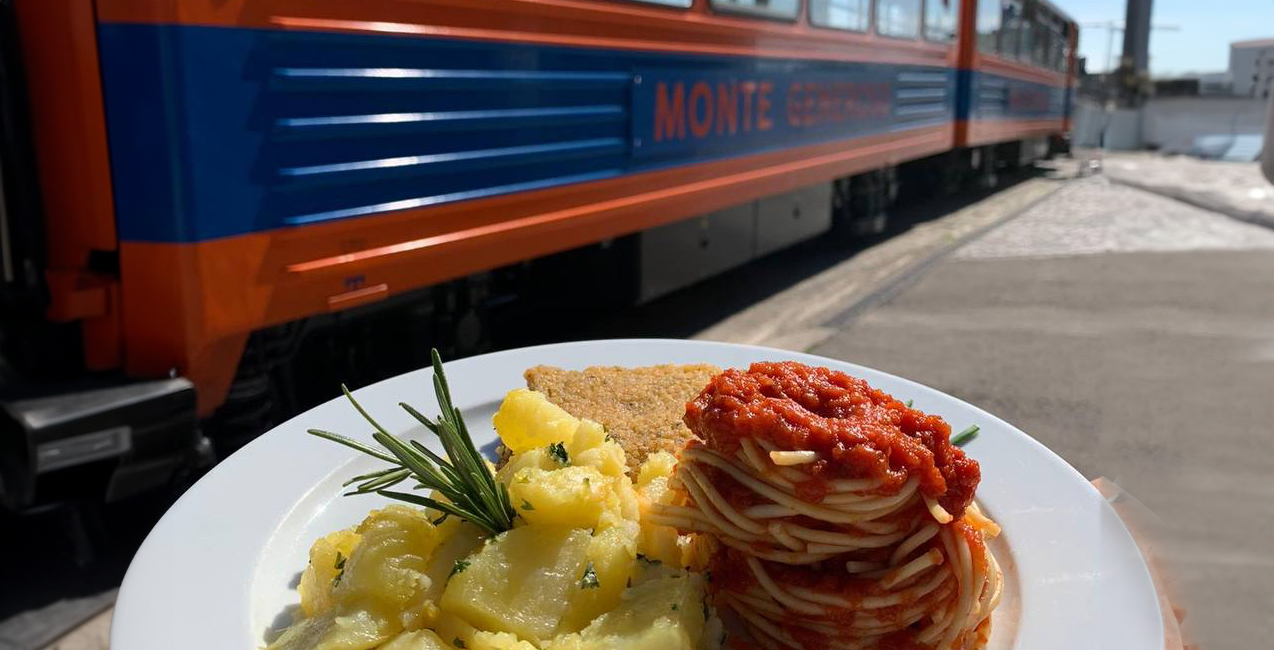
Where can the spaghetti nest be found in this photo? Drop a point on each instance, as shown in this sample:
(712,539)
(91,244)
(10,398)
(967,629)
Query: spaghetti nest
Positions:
(845,518)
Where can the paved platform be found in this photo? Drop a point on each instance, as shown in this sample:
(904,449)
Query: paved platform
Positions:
(1234,189)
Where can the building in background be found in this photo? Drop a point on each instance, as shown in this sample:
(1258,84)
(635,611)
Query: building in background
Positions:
(1252,67)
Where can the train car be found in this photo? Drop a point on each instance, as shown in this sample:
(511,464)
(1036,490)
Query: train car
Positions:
(213,181)
(1018,75)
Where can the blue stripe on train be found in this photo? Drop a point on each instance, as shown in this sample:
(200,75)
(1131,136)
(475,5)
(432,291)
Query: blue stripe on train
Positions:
(217,132)
(985,96)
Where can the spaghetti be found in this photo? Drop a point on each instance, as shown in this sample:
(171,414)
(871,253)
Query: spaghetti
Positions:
(845,518)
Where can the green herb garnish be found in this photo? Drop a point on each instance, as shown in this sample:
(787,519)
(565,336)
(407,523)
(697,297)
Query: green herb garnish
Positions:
(558,451)
(909,402)
(459,567)
(526,505)
(458,642)
(463,479)
(965,436)
(340,568)
(674,607)
(589,579)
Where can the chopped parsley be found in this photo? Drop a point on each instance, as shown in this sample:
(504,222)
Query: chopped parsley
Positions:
(340,568)
(526,505)
(909,403)
(674,607)
(589,579)
(460,566)
(458,642)
(557,451)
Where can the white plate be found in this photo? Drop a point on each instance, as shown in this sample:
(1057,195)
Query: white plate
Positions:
(220,568)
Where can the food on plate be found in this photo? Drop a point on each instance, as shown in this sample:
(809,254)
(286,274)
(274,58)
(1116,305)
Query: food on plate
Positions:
(825,514)
(641,408)
(547,553)
(845,517)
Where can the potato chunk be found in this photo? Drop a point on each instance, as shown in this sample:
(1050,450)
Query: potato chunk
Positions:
(662,614)
(570,496)
(612,554)
(357,631)
(327,558)
(527,419)
(386,573)
(418,640)
(521,581)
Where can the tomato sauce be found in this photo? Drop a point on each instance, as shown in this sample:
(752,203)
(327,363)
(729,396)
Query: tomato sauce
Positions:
(858,431)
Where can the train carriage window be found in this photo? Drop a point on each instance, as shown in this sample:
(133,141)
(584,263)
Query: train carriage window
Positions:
(1015,35)
(762,8)
(940,20)
(854,15)
(989,15)
(898,18)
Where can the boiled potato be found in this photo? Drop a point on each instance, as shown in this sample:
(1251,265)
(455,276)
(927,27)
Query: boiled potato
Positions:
(359,630)
(386,573)
(521,581)
(458,633)
(658,465)
(527,419)
(570,496)
(459,540)
(327,558)
(662,614)
(657,541)
(418,640)
(612,556)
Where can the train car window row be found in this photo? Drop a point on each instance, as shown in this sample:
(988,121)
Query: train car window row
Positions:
(940,20)
(786,9)
(684,4)
(898,18)
(1024,30)
(849,15)
(893,18)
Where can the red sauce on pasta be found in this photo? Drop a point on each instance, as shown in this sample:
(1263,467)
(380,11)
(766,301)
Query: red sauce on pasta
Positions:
(858,431)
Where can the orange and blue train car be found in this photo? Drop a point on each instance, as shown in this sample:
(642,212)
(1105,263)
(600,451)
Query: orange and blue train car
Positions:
(204,171)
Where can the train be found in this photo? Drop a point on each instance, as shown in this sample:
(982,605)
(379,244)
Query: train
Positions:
(206,202)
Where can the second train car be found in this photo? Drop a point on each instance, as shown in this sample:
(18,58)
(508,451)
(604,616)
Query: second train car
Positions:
(210,179)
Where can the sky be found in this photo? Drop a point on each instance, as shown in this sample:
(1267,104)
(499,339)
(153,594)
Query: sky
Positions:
(1200,42)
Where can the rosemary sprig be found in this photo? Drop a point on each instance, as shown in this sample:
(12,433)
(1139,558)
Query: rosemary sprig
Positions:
(463,479)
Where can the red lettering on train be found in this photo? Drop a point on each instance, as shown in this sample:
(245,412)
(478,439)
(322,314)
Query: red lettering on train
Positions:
(700,120)
(727,108)
(749,91)
(763,121)
(670,116)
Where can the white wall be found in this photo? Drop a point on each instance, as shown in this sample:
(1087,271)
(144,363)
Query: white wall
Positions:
(1173,123)
(1252,69)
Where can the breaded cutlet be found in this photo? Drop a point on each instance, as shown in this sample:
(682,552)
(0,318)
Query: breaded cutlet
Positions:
(641,408)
